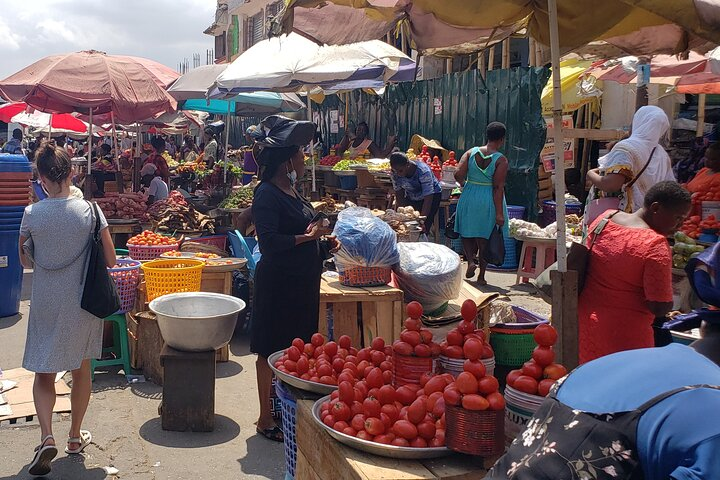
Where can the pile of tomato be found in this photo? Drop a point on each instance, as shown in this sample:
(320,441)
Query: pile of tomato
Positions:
(539,374)
(148,238)
(465,338)
(407,416)
(451,161)
(415,340)
(436,168)
(473,389)
(695,225)
(332,362)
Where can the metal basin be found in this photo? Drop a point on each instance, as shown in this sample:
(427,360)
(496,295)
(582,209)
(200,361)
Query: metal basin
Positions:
(197,321)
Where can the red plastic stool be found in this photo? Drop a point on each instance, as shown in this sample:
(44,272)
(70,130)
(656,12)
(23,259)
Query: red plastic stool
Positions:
(536,256)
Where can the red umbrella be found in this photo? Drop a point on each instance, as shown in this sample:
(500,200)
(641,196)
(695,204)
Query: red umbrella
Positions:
(56,121)
(129,87)
(9,110)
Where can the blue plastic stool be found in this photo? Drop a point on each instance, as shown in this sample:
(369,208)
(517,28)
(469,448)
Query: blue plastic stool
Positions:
(241,249)
(120,347)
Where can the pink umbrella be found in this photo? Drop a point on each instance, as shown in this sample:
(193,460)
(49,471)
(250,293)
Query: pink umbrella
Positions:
(129,87)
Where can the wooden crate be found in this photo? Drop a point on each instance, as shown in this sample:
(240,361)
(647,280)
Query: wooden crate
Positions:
(361,313)
(320,457)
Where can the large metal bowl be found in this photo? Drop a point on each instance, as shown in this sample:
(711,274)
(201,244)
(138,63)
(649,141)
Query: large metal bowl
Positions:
(197,321)
(391,451)
(296,382)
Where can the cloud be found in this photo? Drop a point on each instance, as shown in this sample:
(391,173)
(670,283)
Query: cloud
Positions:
(167,31)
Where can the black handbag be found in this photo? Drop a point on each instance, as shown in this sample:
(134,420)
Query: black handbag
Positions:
(99,293)
(495,251)
(450,228)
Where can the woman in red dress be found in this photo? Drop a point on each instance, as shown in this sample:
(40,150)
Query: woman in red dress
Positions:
(629,276)
(156,158)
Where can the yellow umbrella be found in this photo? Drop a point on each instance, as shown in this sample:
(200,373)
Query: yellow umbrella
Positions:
(570,73)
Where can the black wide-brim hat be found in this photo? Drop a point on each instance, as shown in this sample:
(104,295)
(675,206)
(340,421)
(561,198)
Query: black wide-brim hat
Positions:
(277,131)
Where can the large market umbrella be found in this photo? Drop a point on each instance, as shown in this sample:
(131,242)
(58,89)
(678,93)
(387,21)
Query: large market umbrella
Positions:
(51,122)
(10,109)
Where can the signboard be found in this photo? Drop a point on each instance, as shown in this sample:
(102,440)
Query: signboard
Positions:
(547,155)
(334,124)
(437,103)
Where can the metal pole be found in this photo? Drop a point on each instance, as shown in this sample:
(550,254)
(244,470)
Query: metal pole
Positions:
(227,142)
(558,138)
(700,130)
(88,181)
(115,145)
(312,143)
(643,78)
(50,128)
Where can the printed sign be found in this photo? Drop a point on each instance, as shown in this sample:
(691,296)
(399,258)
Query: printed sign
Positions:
(547,155)
(334,124)
(437,103)
(3,261)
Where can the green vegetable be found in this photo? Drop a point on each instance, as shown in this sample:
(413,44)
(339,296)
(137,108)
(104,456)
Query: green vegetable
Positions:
(241,198)
(346,164)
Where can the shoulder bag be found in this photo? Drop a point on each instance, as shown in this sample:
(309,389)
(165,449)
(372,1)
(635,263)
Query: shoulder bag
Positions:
(598,206)
(99,292)
(450,228)
(577,260)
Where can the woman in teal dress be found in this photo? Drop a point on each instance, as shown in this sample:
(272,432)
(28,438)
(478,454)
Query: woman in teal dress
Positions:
(482,172)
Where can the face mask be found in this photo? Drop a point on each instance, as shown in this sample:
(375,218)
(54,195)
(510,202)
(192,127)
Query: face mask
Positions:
(292,176)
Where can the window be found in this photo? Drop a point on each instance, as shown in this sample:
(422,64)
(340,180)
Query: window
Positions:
(273,9)
(220,44)
(256,30)
(234,36)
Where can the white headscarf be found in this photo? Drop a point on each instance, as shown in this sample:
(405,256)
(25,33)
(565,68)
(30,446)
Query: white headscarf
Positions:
(649,125)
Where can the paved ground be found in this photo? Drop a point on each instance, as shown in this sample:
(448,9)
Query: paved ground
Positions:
(126,426)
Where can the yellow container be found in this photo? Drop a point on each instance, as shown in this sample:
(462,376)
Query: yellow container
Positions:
(172,276)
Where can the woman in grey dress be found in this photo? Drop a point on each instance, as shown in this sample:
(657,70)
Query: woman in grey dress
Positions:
(61,335)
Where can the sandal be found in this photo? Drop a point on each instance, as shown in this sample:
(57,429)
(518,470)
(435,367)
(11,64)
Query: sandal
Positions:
(84,440)
(471,269)
(44,454)
(275,433)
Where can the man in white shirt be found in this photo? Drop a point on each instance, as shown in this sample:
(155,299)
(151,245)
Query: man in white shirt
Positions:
(157,189)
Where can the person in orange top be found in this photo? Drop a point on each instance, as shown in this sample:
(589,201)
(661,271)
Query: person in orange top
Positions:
(707,178)
(156,158)
(629,274)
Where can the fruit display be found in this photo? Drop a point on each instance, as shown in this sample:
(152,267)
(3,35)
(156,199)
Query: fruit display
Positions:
(436,167)
(104,165)
(474,390)
(330,160)
(683,249)
(465,341)
(377,166)
(539,374)
(190,167)
(451,161)
(122,205)
(411,154)
(424,155)
(415,341)
(174,213)
(407,416)
(149,238)
(331,363)
(711,195)
(348,164)
(694,226)
(240,198)
(522,228)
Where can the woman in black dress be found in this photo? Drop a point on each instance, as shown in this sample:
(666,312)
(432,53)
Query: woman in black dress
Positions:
(287,277)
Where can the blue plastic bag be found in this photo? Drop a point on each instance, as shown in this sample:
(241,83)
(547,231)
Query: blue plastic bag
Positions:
(366,240)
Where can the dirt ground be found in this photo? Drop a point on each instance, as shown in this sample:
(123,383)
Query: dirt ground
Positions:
(125,423)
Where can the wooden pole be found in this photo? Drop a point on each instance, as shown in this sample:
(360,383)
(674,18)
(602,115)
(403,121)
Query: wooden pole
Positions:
(312,143)
(482,64)
(531,52)
(643,78)
(491,58)
(700,131)
(506,54)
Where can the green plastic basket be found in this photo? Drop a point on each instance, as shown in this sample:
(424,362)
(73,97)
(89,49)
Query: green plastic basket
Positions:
(512,347)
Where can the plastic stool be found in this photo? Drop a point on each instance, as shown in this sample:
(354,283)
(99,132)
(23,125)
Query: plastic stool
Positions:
(120,346)
(534,259)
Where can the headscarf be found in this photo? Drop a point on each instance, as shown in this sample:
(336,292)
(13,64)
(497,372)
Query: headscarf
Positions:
(649,125)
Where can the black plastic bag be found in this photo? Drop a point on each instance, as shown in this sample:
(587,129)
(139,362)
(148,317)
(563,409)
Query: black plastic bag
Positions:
(495,251)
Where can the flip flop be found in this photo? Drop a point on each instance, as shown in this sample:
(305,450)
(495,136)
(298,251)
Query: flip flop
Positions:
(44,454)
(275,433)
(84,440)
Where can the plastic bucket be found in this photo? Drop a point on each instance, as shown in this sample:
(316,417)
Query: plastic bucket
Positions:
(10,273)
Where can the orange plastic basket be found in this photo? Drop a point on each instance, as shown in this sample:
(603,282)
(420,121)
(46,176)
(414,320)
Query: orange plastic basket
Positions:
(365,276)
(172,276)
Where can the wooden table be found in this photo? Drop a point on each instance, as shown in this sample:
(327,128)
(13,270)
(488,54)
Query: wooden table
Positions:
(120,232)
(361,313)
(320,457)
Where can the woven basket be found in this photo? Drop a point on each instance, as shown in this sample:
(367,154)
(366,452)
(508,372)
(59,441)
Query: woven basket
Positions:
(126,277)
(198,247)
(365,276)
(475,432)
(149,252)
(172,276)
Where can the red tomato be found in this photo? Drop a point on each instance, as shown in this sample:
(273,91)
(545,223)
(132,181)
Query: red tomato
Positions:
(374,426)
(346,376)
(387,376)
(532,369)
(554,371)
(545,335)
(346,392)
(402,348)
(328,380)
(405,429)
(417,411)
(451,395)
(454,351)
(488,385)
(405,395)
(400,442)
(496,401)
(512,376)
(364,354)
(426,335)
(386,395)
(544,386)
(331,349)
(350,431)
(412,324)
(293,353)
(543,356)
(435,349)
(468,310)
(309,350)
(345,341)
(386,365)
(371,407)
(439,408)
(432,400)
(391,411)
(454,337)
(435,384)
(358,422)
(329,420)
(487,351)
(526,384)
(340,426)
(466,383)
(317,340)
(338,364)
(475,402)
(472,349)
(290,365)
(375,378)
(418,442)
(324,370)
(410,336)
(425,377)
(378,344)
(423,350)
(437,442)
(414,310)
(385,439)
(476,367)
(466,327)
(363,435)
(377,357)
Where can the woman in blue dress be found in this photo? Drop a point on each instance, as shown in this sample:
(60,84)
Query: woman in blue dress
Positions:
(482,172)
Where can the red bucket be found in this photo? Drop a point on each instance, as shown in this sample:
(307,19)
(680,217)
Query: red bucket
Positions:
(475,432)
(408,369)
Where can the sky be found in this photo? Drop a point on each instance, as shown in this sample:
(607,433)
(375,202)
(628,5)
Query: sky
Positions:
(166,31)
